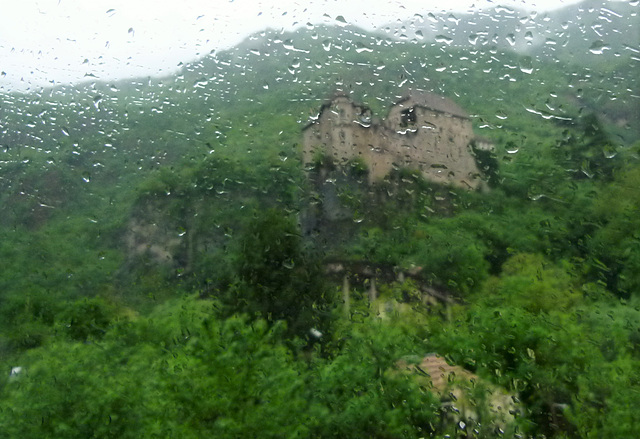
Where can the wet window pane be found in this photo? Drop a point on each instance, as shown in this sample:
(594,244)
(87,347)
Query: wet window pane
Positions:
(322,219)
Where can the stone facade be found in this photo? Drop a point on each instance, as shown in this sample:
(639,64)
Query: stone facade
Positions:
(460,390)
(423,131)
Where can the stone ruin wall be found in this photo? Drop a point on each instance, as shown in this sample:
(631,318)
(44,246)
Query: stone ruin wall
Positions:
(435,143)
(340,133)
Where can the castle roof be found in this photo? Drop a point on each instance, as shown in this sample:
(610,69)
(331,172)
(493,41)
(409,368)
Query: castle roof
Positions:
(435,102)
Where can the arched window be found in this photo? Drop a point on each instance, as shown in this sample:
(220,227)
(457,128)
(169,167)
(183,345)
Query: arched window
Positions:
(408,117)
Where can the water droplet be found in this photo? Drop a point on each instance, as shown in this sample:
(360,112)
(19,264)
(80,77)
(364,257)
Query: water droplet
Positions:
(96,101)
(598,47)
(504,9)
(86,177)
(65,131)
(585,167)
(407,131)
(288,44)
(511,39)
(609,151)
(443,39)
(531,353)
(362,48)
(341,20)
(526,65)
(473,39)
(326,45)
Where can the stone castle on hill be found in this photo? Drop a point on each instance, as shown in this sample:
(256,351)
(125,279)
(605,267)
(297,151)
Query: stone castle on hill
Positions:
(423,131)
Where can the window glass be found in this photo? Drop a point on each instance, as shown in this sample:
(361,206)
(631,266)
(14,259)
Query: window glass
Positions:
(320,219)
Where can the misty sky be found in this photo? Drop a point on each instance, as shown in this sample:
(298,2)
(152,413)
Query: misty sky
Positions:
(45,42)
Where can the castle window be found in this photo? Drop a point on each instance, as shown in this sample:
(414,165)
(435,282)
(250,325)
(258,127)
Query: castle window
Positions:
(365,117)
(408,117)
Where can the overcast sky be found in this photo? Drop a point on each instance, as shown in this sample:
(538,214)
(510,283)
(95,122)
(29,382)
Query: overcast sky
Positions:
(43,42)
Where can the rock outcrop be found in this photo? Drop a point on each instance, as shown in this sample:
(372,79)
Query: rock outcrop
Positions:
(465,397)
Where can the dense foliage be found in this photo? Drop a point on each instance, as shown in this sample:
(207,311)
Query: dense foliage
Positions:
(165,256)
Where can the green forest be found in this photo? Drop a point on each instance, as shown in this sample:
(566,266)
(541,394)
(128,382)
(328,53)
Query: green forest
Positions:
(170,268)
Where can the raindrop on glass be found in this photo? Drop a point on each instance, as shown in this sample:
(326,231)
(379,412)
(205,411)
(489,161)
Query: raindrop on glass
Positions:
(96,101)
(598,47)
(362,48)
(443,39)
(526,65)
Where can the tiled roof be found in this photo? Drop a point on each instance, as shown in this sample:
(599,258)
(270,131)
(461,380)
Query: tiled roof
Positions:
(439,372)
(435,102)
(442,373)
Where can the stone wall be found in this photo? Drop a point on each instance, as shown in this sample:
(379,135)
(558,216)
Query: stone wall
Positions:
(419,133)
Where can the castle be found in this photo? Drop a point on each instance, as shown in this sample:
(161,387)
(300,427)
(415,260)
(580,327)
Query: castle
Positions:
(423,131)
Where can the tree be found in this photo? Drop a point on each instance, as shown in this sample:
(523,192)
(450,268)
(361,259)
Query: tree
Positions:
(589,150)
(531,282)
(277,278)
(88,318)
(614,249)
(450,257)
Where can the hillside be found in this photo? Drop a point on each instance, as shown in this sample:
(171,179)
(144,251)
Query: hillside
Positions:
(585,33)
(169,266)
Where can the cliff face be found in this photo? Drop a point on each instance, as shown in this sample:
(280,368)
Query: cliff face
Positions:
(423,131)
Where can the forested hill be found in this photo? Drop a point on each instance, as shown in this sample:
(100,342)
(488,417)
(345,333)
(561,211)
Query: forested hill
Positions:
(573,33)
(166,257)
